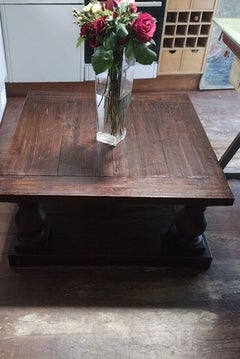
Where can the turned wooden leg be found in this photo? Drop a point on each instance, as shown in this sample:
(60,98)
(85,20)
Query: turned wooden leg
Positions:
(188,230)
(31,227)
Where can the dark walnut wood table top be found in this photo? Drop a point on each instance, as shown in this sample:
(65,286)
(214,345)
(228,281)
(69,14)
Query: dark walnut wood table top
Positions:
(124,198)
(166,154)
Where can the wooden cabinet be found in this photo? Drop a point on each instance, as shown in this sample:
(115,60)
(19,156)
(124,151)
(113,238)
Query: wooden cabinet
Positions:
(186,30)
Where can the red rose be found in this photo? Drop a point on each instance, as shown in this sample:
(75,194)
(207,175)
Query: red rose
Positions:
(110,4)
(93,41)
(144,27)
(115,15)
(100,25)
(85,29)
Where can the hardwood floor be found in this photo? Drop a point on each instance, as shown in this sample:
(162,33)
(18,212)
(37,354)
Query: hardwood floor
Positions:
(131,312)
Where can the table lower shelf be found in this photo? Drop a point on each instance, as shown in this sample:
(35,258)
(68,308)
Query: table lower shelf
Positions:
(56,257)
(121,235)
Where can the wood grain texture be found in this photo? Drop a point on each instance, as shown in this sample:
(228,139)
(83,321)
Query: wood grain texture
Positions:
(166,153)
(211,192)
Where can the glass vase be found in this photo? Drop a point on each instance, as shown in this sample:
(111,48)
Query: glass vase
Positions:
(113,95)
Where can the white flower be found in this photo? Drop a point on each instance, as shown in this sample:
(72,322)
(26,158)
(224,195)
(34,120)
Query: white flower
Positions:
(88,7)
(127,1)
(96,7)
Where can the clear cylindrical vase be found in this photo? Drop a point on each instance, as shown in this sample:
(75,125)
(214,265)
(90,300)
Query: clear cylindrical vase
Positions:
(113,95)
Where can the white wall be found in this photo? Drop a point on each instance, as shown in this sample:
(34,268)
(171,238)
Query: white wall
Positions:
(3,74)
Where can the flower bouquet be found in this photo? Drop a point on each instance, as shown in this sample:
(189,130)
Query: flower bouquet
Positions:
(119,35)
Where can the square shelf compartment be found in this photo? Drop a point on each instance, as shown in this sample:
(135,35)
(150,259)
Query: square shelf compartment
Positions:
(172,17)
(183,16)
(170,30)
(191,42)
(195,16)
(193,29)
(181,29)
(179,42)
(168,42)
(205,29)
(207,16)
(202,41)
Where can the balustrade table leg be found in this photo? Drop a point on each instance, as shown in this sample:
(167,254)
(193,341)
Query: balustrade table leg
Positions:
(32,229)
(188,230)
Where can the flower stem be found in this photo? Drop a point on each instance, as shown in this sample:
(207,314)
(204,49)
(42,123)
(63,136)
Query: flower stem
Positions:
(114,111)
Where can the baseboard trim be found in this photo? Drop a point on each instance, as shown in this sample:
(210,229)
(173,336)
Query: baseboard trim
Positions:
(161,83)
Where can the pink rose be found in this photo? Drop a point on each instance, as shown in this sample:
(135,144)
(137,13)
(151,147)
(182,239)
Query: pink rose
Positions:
(133,8)
(144,27)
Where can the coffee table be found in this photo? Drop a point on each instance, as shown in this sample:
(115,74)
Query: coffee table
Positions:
(80,202)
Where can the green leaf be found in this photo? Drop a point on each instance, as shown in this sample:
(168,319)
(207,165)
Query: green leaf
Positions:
(129,49)
(152,42)
(144,55)
(102,59)
(110,40)
(122,30)
(79,41)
